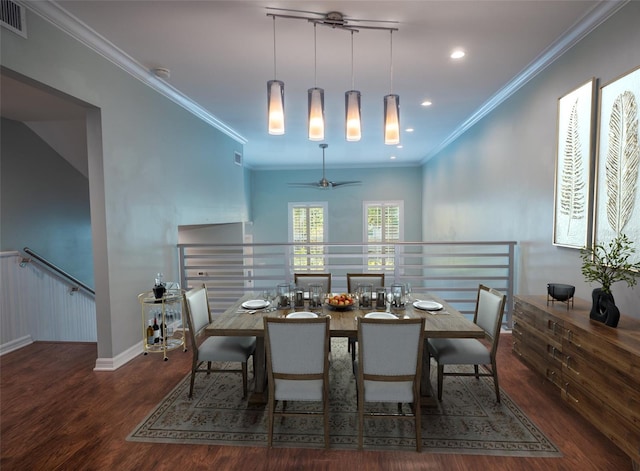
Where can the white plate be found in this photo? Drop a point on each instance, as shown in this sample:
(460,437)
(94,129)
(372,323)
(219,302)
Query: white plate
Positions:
(380,315)
(255,304)
(428,305)
(302,315)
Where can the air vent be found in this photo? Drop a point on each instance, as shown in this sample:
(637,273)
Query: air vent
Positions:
(13,17)
(238,158)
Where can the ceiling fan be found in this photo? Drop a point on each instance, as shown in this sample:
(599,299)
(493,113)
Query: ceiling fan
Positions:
(323,183)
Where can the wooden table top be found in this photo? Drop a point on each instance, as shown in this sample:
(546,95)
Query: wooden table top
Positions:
(447,323)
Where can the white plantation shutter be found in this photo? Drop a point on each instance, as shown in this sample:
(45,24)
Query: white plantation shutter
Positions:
(383,222)
(307,225)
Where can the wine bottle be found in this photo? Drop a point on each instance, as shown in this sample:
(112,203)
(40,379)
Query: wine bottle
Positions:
(156,331)
(149,333)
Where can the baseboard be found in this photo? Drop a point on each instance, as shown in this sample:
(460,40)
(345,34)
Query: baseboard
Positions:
(111,364)
(15,344)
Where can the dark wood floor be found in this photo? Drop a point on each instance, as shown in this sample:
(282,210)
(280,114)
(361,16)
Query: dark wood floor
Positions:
(57,413)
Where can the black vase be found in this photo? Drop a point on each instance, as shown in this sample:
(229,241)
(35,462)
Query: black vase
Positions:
(604,308)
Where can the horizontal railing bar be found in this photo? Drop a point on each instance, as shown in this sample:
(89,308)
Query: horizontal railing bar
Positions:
(347,244)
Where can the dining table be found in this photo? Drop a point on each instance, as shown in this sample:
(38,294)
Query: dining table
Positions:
(446,322)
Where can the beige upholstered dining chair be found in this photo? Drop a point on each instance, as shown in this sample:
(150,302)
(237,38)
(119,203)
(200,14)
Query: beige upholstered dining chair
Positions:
(353,280)
(488,315)
(389,367)
(305,279)
(297,366)
(213,349)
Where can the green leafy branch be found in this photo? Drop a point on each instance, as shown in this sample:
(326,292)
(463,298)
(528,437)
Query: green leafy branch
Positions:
(610,263)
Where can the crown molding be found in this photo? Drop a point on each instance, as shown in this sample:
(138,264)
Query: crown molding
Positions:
(590,21)
(63,20)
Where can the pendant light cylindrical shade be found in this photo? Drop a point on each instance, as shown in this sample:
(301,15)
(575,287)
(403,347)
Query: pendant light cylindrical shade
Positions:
(392,119)
(353,130)
(316,114)
(275,107)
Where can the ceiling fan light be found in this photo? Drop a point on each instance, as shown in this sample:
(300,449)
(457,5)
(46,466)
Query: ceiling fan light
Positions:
(316,114)
(392,120)
(353,130)
(275,107)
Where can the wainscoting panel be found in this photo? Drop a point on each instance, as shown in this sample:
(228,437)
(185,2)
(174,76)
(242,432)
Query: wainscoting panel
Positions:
(39,305)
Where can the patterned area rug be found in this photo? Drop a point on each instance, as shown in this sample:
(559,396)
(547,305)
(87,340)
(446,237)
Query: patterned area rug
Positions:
(468,420)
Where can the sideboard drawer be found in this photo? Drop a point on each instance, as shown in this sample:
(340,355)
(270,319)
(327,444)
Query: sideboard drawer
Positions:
(611,423)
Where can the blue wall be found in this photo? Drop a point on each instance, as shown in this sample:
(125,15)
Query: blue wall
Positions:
(270,195)
(45,202)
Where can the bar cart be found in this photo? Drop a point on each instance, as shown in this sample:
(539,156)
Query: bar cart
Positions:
(167,310)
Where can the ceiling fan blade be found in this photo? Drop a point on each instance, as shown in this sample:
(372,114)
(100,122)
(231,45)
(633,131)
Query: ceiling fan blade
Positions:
(300,185)
(334,184)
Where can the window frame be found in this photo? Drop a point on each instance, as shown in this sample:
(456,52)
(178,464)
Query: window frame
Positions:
(367,256)
(325,236)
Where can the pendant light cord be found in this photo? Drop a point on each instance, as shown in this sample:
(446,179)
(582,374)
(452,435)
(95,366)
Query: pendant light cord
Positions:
(315,57)
(352,80)
(391,61)
(274,49)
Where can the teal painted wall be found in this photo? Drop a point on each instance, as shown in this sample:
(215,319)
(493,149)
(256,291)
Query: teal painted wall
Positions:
(45,202)
(271,195)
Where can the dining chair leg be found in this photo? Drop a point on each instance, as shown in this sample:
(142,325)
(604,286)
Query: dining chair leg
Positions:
(418,424)
(193,379)
(440,378)
(495,380)
(326,420)
(360,421)
(244,379)
(270,432)
(254,365)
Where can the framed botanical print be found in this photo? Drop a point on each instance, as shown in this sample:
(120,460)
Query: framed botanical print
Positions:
(574,162)
(617,199)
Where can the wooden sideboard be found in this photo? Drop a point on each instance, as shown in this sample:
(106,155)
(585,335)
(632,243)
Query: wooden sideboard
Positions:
(595,368)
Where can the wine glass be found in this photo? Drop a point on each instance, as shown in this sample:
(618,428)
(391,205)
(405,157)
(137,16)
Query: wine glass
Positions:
(268,296)
(407,292)
(390,300)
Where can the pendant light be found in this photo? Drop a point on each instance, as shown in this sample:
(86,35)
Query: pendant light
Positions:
(275,96)
(353,130)
(315,100)
(391,109)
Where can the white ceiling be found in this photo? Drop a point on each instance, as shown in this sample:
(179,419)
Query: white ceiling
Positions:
(220,55)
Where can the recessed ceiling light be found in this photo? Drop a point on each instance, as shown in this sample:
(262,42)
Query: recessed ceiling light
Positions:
(426,103)
(393,157)
(457,54)
(409,130)
(399,146)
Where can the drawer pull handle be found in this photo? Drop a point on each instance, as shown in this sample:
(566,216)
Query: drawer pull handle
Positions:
(568,395)
(571,340)
(567,363)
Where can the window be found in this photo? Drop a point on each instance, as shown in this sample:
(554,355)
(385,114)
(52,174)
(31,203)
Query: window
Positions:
(307,226)
(383,223)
